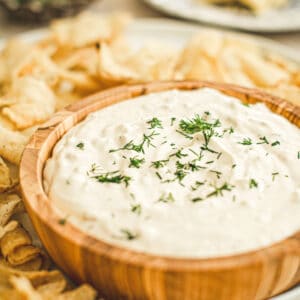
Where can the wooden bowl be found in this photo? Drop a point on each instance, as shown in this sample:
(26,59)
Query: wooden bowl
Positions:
(119,273)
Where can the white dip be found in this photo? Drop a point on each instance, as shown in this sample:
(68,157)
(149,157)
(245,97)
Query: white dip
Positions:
(142,175)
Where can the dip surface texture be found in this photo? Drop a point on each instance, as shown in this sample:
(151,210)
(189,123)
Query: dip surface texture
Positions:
(180,173)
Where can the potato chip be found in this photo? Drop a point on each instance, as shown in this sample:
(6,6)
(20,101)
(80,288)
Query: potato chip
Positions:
(33,102)
(24,287)
(13,240)
(11,205)
(5,181)
(76,32)
(251,63)
(12,144)
(12,225)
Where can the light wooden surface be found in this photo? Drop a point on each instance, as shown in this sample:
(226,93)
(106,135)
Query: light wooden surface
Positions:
(124,274)
(9,28)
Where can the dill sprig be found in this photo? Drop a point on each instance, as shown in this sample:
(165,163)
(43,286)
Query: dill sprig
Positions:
(136,162)
(155,123)
(159,163)
(246,142)
(147,139)
(218,191)
(112,177)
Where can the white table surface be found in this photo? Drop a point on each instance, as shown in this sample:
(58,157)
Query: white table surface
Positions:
(138,9)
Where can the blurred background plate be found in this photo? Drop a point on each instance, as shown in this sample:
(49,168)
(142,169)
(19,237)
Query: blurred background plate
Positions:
(280,20)
(42,10)
(175,34)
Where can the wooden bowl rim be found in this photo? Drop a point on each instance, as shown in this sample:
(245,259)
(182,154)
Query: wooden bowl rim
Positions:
(34,195)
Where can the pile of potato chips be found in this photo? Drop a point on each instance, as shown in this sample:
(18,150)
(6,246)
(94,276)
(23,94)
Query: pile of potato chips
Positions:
(80,56)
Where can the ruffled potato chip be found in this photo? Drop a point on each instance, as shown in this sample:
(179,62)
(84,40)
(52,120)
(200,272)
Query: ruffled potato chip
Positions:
(32,102)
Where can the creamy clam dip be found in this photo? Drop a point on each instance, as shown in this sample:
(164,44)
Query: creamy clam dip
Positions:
(180,173)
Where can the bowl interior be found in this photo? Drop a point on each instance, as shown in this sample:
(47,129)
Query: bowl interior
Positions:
(40,147)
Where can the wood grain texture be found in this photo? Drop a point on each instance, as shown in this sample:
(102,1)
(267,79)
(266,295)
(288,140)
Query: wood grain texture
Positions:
(124,274)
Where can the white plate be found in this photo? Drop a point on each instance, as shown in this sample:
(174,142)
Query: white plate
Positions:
(280,20)
(177,34)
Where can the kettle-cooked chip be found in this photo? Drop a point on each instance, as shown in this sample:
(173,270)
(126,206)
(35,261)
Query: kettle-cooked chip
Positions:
(34,102)
(13,240)
(8,207)
(111,71)
(12,144)
(5,181)
(88,28)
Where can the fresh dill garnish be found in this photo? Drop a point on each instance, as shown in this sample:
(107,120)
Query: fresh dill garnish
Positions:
(246,142)
(136,208)
(274,175)
(112,177)
(173,119)
(298,155)
(188,166)
(219,155)
(218,173)
(199,155)
(159,163)
(233,166)
(138,147)
(80,146)
(136,162)
(275,143)
(128,234)
(253,184)
(263,140)
(158,175)
(184,134)
(209,162)
(154,123)
(197,199)
(197,184)
(199,124)
(207,113)
(179,154)
(218,191)
(166,198)
(180,174)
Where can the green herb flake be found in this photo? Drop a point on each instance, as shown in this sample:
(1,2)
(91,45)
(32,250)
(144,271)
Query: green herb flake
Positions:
(80,146)
(136,208)
(166,198)
(154,123)
(62,221)
(159,163)
(253,184)
(129,235)
(246,142)
(275,143)
(263,140)
(298,155)
(136,162)
(113,177)
(218,191)
(173,119)
(197,199)
(274,175)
